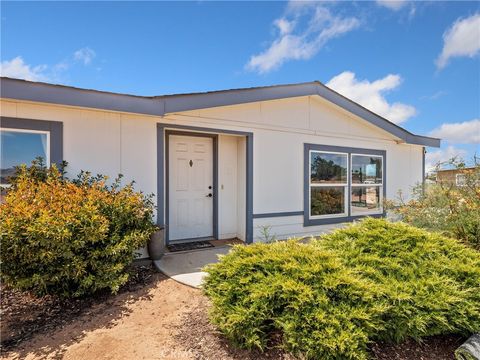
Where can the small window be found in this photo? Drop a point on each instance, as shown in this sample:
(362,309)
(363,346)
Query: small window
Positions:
(328,184)
(21,147)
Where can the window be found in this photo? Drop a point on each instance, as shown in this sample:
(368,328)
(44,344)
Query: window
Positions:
(328,183)
(342,183)
(21,147)
(23,140)
(367,183)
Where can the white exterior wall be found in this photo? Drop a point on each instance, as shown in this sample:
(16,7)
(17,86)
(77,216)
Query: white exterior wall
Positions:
(227,183)
(281,127)
(111,143)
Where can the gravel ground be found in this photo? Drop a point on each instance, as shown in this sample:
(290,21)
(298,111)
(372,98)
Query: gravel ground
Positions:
(152,317)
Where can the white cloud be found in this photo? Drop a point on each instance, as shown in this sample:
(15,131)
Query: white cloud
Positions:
(461,39)
(285,26)
(84,55)
(442,155)
(17,68)
(467,132)
(320,27)
(371,95)
(392,4)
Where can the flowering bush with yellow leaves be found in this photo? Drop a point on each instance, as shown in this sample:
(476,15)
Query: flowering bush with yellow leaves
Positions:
(70,237)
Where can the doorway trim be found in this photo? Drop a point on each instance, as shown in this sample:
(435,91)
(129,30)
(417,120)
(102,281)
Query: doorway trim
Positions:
(214,138)
(162,175)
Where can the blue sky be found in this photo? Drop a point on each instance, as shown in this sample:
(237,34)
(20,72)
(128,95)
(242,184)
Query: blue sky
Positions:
(416,63)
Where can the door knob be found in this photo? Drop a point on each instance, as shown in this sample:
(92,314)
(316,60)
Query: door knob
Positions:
(209,195)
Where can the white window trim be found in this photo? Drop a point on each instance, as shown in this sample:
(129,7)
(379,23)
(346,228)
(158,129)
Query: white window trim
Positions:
(325,185)
(47,153)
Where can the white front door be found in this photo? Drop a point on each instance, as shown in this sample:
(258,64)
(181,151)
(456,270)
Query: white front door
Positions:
(190,187)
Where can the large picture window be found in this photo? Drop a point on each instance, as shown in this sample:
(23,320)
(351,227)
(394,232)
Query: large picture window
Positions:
(342,183)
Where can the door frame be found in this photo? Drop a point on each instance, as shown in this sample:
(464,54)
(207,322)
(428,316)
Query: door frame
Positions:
(162,128)
(214,138)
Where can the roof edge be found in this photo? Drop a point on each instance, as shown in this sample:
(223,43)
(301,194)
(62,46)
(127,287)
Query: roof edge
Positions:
(160,105)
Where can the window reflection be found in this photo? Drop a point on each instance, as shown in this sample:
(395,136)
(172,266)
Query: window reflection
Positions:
(327,200)
(20,147)
(366,169)
(328,168)
(365,199)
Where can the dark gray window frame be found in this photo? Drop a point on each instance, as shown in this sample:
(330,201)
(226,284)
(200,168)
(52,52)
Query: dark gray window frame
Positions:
(307,221)
(55,128)
(162,173)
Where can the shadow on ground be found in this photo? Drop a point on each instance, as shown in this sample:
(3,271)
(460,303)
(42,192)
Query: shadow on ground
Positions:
(25,316)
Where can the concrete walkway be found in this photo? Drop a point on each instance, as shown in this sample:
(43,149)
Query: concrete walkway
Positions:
(185,267)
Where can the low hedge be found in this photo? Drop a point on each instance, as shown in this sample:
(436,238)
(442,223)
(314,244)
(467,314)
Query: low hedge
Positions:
(332,297)
(70,237)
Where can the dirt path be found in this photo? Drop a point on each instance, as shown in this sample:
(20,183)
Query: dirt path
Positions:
(164,320)
(130,326)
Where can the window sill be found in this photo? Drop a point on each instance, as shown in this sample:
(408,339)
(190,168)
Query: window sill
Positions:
(337,220)
(329,217)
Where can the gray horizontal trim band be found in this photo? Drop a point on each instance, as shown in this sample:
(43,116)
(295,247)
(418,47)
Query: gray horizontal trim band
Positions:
(278,214)
(161,105)
(65,95)
(167,126)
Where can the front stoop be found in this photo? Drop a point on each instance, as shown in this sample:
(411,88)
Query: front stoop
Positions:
(186,267)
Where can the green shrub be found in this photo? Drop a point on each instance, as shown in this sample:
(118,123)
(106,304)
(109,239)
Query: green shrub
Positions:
(330,298)
(70,238)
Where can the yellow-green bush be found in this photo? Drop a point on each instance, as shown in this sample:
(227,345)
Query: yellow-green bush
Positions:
(70,238)
(330,298)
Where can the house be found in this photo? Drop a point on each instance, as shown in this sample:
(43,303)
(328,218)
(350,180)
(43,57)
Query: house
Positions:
(454,176)
(297,158)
